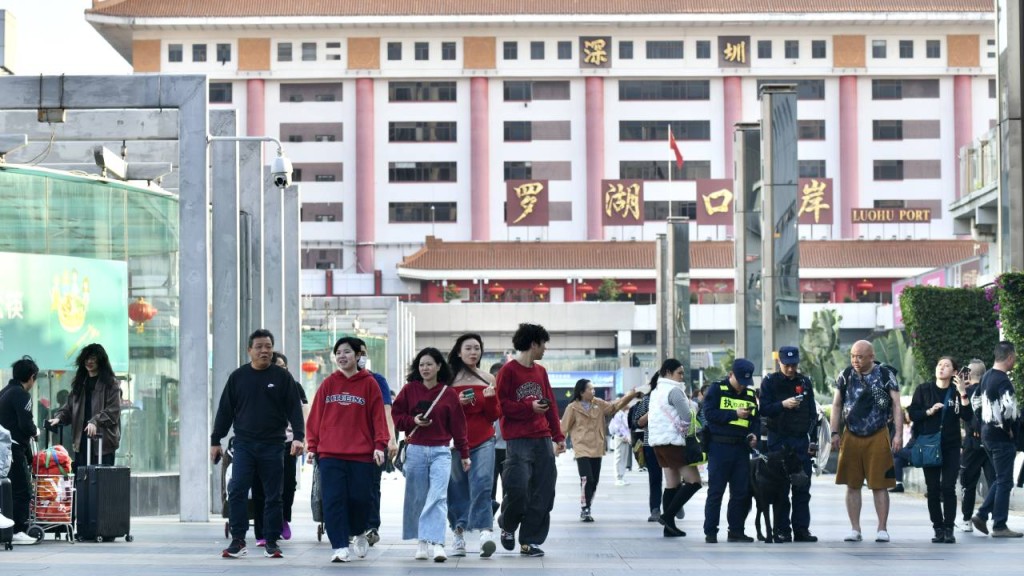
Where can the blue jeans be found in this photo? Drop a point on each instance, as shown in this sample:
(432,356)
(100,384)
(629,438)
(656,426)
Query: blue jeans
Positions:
(469,493)
(727,464)
(653,478)
(251,458)
(997,501)
(345,487)
(427,469)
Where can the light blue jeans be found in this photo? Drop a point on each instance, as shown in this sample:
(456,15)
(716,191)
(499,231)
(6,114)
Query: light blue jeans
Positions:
(427,469)
(469,493)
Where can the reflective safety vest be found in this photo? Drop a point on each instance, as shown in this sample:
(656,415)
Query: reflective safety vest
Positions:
(732,403)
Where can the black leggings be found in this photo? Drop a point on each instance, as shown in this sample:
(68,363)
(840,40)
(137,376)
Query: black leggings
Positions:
(590,475)
(654,476)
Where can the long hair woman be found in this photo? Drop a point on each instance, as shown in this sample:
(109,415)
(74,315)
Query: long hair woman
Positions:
(469,491)
(94,407)
(584,422)
(428,411)
(669,422)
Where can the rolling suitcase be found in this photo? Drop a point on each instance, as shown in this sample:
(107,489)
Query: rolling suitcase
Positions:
(7,509)
(103,500)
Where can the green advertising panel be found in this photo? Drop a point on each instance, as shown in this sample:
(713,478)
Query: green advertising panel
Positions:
(52,306)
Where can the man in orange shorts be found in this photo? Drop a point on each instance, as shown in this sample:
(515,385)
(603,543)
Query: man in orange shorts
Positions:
(867,395)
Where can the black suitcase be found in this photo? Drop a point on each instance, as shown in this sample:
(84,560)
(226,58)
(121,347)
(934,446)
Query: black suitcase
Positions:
(7,509)
(103,500)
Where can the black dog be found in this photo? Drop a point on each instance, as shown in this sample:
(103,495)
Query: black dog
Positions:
(771,476)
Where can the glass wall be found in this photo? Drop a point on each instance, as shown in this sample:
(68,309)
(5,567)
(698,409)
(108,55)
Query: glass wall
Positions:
(91,227)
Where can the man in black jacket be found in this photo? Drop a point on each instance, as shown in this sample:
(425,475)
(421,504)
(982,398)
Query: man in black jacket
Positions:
(16,417)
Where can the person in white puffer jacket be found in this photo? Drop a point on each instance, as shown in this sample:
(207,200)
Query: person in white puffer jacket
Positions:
(668,423)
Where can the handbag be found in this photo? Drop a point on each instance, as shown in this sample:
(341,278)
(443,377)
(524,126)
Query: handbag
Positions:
(927,450)
(695,453)
(638,453)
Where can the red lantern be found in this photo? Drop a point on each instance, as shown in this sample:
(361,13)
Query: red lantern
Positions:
(309,367)
(496,290)
(584,289)
(629,289)
(540,290)
(141,312)
(864,286)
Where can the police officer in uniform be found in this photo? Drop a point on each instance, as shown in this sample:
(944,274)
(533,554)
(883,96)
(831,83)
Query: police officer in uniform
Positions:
(787,400)
(730,408)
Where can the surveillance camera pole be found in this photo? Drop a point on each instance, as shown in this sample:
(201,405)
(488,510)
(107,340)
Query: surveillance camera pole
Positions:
(280,149)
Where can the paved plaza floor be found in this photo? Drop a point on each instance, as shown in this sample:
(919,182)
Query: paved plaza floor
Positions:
(619,542)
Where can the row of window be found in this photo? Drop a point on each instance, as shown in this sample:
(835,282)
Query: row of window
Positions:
(510,50)
(421,51)
(176,53)
(880,49)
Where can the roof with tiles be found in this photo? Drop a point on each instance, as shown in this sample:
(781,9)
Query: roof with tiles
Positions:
(440,255)
(383,8)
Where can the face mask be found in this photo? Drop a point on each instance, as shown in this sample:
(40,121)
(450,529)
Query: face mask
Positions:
(361,362)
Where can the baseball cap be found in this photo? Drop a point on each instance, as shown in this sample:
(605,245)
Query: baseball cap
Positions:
(743,370)
(789,355)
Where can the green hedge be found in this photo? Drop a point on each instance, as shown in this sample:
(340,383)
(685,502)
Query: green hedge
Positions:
(957,322)
(1007,299)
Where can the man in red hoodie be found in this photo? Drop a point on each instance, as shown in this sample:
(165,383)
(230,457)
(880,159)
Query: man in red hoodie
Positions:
(530,425)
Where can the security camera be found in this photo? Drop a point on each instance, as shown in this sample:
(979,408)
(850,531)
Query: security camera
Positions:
(281,171)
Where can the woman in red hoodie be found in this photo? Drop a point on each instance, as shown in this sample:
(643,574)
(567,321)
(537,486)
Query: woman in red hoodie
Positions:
(469,491)
(428,411)
(347,433)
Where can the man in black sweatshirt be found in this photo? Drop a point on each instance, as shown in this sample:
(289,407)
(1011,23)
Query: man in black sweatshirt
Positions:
(259,400)
(16,417)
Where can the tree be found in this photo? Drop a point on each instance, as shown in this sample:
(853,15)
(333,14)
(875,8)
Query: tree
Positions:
(609,290)
(891,348)
(820,356)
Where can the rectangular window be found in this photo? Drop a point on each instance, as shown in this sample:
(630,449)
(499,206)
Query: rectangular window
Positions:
(447,50)
(312,92)
(664,90)
(806,88)
(333,45)
(933,49)
(703,49)
(518,171)
(658,210)
(991,87)
(888,169)
(656,170)
(422,172)
(564,50)
(199,52)
(394,51)
(518,131)
(421,51)
(321,259)
(536,50)
(321,212)
(223,53)
(626,50)
(175,53)
(551,130)
(887,129)
(421,91)
(324,178)
(664,49)
(309,51)
(510,50)
(922,129)
(220,92)
(926,88)
(878,49)
(922,169)
(518,91)
(422,212)
(886,89)
(811,168)
(811,129)
(764,49)
(560,211)
(792,48)
(906,48)
(657,130)
(284,51)
(421,132)
(818,50)
(551,90)
(317,172)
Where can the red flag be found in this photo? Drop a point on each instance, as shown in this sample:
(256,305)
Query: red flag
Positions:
(675,148)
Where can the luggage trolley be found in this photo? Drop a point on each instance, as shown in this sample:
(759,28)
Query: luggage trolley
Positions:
(52,504)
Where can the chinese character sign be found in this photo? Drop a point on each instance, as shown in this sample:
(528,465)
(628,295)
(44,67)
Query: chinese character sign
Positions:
(595,52)
(714,202)
(526,203)
(814,197)
(622,202)
(734,51)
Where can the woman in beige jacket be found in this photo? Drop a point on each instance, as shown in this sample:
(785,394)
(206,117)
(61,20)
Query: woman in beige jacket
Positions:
(584,422)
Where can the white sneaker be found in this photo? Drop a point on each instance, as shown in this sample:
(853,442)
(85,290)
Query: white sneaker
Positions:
(621,482)
(487,546)
(853,536)
(882,536)
(5,522)
(439,555)
(341,555)
(458,543)
(361,545)
(422,550)
(23,539)
(967,526)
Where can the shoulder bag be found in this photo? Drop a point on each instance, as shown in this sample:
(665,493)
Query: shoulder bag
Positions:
(927,449)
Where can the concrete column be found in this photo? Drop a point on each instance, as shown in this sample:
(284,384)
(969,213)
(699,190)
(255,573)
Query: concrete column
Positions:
(480,159)
(732,88)
(595,156)
(255,110)
(291,345)
(1009,31)
(849,177)
(963,105)
(366,182)
(273,259)
(250,177)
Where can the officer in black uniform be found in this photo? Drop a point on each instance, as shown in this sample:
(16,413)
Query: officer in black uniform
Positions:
(730,408)
(787,400)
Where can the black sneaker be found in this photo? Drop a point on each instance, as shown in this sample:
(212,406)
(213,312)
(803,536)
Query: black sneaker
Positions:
(272,550)
(804,536)
(783,537)
(898,489)
(739,537)
(508,540)
(531,550)
(235,550)
(372,536)
(711,538)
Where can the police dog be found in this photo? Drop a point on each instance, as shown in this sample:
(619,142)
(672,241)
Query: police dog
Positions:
(771,476)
